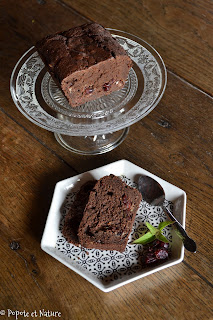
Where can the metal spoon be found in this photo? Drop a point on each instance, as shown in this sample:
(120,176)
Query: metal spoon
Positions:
(153,193)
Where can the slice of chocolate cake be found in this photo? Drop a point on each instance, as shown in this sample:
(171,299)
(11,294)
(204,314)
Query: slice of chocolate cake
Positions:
(86,62)
(75,214)
(109,215)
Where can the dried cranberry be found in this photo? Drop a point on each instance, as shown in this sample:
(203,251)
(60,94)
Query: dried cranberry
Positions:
(164,245)
(89,90)
(108,85)
(124,198)
(150,249)
(150,260)
(161,254)
(127,202)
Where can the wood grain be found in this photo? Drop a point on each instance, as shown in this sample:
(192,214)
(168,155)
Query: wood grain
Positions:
(181,31)
(40,280)
(174,142)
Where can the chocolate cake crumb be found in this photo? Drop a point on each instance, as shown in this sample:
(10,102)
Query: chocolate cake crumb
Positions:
(14,245)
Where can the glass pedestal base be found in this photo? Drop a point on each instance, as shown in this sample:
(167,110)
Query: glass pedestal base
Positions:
(91,145)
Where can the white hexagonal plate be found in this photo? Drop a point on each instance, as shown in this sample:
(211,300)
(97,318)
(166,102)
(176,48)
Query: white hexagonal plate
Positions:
(106,269)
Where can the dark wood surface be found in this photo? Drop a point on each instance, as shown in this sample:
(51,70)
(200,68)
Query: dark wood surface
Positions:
(32,162)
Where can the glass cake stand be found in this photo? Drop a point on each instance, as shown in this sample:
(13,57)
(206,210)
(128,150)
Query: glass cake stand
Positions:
(100,125)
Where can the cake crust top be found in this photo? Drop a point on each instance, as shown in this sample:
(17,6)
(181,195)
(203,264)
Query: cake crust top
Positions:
(78,49)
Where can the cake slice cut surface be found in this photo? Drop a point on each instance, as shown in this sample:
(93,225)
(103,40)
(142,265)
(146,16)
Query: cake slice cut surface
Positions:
(109,215)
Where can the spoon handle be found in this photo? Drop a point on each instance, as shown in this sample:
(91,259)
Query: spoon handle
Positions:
(189,244)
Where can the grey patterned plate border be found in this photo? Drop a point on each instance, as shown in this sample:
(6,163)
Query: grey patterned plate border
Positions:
(106,269)
(37,97)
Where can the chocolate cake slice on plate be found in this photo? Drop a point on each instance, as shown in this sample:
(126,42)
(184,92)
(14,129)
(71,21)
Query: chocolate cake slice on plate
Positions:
(109,215)
(75,214)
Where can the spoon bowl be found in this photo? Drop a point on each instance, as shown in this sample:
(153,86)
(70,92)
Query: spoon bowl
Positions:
(153,193)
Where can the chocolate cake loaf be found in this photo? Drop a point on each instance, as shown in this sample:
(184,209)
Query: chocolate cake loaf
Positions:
(109,215)
(75,214)
(86,62)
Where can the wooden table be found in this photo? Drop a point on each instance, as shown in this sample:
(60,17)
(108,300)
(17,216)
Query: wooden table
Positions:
(174,142)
